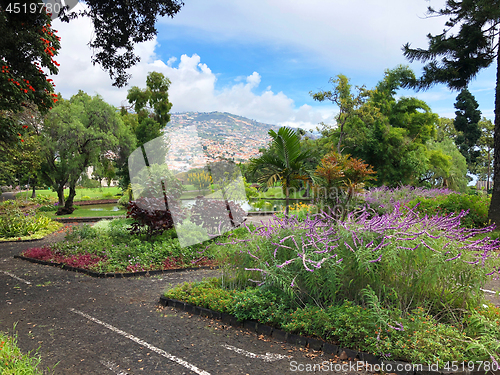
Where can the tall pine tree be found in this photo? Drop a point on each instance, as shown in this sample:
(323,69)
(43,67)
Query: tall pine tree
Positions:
(455,58)
(467,125)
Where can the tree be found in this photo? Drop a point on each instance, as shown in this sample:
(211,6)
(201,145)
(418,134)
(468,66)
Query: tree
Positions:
(468,44)
(285,164)
(75,134)
(118,26)
(338,178)
(466,124)
(390,133)
(445,128)
(27,47)
(486,145)
(151,106)
(344,99)
(447,167)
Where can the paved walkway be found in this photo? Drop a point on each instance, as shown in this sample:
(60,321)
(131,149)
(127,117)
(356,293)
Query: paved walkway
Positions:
(91,326)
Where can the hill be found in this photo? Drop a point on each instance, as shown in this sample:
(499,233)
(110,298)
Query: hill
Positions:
(222,135)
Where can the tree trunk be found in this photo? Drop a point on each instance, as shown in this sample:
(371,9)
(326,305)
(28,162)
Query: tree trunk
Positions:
(60,195)
(287,201)
(68,206)
(33,194)
(494,211)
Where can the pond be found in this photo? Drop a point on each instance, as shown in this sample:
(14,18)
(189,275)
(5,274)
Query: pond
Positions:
(111,207)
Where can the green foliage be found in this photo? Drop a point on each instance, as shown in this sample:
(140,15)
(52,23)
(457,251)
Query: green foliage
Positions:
(152,107)
(284,162)
(28,46)
(15,223)
(347,102)
(75,134)
(390,133)
(413,336)
(447,166)
(466,124)
(477,205)
(13,361)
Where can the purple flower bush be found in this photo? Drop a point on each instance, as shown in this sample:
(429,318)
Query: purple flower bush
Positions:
(383,199)
(407,260)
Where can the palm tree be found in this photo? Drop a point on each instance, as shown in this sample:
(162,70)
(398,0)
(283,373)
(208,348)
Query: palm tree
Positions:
(283,161)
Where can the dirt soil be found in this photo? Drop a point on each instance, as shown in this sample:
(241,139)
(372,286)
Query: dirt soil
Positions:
(117,327)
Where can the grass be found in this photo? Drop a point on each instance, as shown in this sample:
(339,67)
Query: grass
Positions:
(277,192)
(13,361)
(98,193)
(86,211)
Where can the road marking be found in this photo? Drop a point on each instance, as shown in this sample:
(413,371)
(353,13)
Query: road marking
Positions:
(268,357)
(15,277)
(488,291)
(113,367)
(137,340)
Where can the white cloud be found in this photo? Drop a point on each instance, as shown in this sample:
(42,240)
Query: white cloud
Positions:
(361,34)
(193,85)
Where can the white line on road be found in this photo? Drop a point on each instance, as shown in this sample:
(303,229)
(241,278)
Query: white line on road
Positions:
(488,291)
(15,277)
(113,367)
(268,357)
(159,351)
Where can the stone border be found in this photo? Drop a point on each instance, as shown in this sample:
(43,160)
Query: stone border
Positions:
(309,342)
(117,275)
(89,219)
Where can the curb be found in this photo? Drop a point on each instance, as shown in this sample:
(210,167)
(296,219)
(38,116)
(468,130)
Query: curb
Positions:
(117,275)
(314,343)
(90,219)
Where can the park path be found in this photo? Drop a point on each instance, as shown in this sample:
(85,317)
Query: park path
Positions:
(97,326)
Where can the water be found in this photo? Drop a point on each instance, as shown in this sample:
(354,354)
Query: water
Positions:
(111,207)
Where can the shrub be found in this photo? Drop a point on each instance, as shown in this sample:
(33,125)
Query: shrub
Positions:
(407,260)
(85,197)
(476,205)
(16,223)
(151,217)
(414,336)
(384,199)
(216,216)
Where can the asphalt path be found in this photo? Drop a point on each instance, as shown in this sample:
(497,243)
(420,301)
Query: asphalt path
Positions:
(84,325)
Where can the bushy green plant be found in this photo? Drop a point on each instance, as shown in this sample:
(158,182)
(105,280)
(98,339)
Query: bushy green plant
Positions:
(407,260)
(16,223)
(414,336)
(476,205)
(13,361)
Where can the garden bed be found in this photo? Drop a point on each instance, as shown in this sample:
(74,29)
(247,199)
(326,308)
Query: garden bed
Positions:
(335,281)
(89,272)
(109,249)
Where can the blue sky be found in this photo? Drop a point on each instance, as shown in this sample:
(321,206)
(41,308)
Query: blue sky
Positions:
(260,59)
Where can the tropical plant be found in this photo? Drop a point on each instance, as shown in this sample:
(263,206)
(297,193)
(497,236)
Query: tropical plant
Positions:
(283,162)
(338,178)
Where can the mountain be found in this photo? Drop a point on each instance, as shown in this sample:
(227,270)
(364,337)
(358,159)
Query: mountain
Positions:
(222,135)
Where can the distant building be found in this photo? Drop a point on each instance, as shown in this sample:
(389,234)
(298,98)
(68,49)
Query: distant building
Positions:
(482,185)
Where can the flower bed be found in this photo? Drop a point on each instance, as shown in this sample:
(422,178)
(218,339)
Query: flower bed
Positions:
(108,247)
(397,285)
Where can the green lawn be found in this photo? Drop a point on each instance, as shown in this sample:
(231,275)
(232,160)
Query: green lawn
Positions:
(277,192)
(98,193)
(89,211)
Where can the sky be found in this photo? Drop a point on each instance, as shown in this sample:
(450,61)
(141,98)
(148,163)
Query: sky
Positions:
(261,59)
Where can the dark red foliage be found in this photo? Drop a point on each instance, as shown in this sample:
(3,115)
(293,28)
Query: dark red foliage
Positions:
(172,262)
(151,217)
(41,253)
(85,261)
(214,214)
